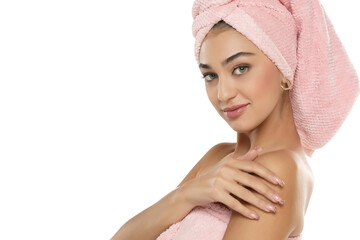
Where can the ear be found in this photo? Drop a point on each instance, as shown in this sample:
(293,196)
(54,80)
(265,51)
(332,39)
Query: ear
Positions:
(284,81)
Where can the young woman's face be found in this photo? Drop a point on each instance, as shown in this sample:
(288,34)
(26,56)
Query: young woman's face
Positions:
(251,79)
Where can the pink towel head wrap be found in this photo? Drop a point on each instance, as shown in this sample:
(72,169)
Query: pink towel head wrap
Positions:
(299,38)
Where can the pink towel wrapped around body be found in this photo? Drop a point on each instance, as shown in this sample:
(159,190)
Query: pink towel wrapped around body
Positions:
(207,222)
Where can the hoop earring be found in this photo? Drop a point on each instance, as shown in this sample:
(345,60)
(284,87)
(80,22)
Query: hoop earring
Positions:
(289,86)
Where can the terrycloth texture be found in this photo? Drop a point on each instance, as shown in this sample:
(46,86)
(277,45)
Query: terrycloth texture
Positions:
(299,38)
(208,222)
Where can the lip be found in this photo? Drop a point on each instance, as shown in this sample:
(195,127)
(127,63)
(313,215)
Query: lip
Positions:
(237,112)
(232,108)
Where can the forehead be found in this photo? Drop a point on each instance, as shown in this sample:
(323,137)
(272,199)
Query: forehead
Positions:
(220,45)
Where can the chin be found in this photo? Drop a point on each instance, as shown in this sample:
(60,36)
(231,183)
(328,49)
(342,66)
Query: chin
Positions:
(243,123)
(242,128)
(240,125)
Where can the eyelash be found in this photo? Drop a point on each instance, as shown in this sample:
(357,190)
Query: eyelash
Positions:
(241,66)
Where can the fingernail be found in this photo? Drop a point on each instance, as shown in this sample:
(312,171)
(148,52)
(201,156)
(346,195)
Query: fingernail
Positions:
(280,182)
(270,207)
(278,199)
(254,216)
(259,149)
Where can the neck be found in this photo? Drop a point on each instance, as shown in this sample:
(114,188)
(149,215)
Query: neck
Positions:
(276,132)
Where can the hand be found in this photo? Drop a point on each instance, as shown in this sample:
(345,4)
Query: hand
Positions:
(225,182)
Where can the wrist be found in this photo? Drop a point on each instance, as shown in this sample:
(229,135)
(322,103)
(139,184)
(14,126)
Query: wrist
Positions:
(181,198)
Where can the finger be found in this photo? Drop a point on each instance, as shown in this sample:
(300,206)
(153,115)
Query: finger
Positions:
(246,195)
(260,170)
(234,204)
(256,184)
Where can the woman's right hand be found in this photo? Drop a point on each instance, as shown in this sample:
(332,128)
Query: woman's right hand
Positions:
(229,177)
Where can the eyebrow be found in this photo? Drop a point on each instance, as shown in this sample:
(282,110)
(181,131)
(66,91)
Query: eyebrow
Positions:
(229,59)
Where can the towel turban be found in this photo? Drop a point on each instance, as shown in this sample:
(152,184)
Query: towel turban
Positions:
(298,37)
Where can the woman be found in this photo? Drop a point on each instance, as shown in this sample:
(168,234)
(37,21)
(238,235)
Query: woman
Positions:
(270,72)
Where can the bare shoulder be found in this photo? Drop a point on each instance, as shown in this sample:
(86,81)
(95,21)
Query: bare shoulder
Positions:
(217,151)
(215,154)
(220,150)
(290,165)
(288,220)
(295,170)
(282,162)
(211,156)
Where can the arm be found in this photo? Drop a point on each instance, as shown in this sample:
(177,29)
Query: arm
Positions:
(283,222)
(149,223)
(172,208)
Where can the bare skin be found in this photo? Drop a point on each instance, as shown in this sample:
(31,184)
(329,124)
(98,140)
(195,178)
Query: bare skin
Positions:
(221,175)
(267,121)
(306,175)
(196,189)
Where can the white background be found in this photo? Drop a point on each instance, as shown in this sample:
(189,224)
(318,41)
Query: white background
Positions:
(103,112)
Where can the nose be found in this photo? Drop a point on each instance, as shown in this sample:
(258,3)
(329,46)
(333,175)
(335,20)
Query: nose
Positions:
(226,89)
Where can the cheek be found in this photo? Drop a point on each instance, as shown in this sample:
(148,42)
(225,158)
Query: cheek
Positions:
(266,88)
(212,95)
(261,89)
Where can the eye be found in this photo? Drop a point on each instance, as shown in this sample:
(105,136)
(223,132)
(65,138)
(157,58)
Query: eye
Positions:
(208,74)
(242,69)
